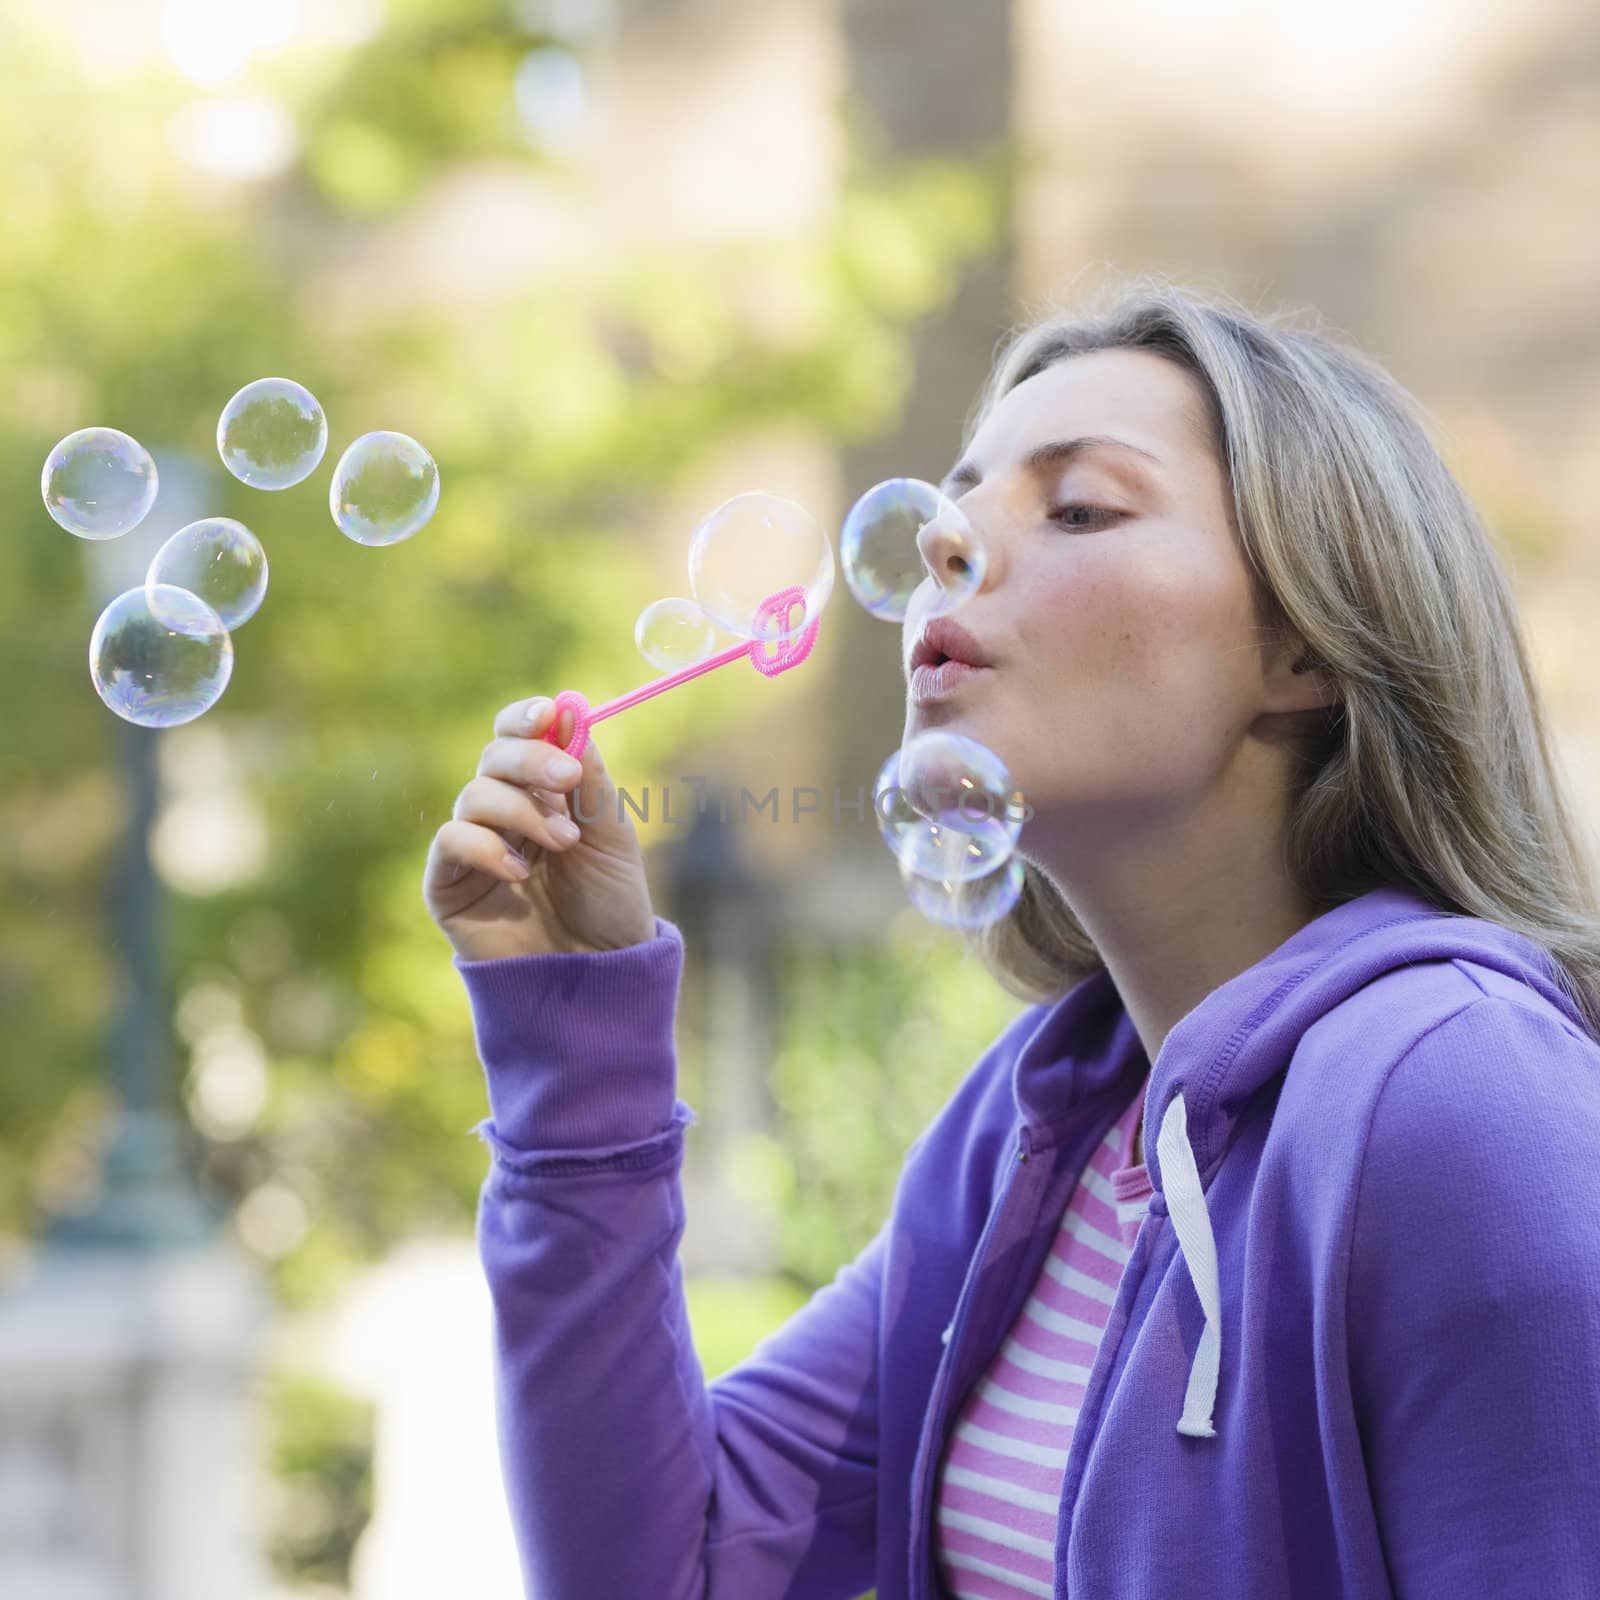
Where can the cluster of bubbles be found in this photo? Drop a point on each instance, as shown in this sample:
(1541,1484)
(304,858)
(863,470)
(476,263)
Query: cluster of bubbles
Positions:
(945,803)
(162,654)
(948,811)
(750,547)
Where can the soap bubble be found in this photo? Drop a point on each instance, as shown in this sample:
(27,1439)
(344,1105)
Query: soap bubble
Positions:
(674,633)
(218,559)
(385,487)
(160,656)
(936,848)
(902,535)
(958,783)
(98,483)
(272,433)
(753,546)
(972,903)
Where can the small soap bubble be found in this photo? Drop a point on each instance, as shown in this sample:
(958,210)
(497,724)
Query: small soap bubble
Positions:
(958,783)
(160,657)
(98,483)
(970,903)
(384,489)
(272,433)
(218,559)
(753,546)
(674,633)
(904,536)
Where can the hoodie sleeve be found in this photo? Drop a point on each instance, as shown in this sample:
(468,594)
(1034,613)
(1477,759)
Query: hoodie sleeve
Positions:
(1474,1309)
(625,1474)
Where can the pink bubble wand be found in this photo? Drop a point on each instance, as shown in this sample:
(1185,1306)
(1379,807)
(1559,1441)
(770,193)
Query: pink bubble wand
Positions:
(791,652)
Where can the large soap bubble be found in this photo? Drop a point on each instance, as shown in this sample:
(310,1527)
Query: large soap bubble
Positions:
(384,489)
(272,433)
(160,656)
(903,536)
(753,546)
(932,847)
(674,633)
(98,483)
(218,559)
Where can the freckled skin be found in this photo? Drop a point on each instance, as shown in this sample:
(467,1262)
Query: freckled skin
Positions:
(1134,698)
(1124,647)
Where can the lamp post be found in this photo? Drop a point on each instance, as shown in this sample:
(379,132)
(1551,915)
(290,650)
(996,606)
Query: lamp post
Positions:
(147,1198)
(129,1342)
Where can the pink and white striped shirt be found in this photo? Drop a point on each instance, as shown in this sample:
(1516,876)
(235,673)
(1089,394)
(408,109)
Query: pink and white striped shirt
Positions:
(999,1487)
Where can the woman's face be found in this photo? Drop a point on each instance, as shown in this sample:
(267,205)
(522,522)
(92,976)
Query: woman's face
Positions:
(1116,608)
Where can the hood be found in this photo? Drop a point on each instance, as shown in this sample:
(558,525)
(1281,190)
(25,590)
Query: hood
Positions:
(1235,1040)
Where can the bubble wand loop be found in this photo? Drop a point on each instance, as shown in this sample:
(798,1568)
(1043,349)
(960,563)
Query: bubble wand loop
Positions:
(791,652)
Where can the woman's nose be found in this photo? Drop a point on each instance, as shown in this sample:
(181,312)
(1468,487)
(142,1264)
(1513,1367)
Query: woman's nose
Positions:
(953,552)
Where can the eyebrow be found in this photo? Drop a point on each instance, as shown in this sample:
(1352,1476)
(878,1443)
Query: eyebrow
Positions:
(1049,455)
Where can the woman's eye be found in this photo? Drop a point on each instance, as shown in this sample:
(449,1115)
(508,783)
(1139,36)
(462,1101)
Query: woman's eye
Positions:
(1063,515)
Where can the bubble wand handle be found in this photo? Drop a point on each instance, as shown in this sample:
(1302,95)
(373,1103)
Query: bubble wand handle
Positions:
(791,652)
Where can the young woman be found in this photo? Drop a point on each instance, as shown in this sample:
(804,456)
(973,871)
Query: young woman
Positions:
(1260,1255)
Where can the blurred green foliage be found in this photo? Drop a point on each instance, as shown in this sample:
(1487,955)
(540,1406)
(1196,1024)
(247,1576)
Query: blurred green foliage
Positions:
(874,1037)
(136,295)
(320,1452)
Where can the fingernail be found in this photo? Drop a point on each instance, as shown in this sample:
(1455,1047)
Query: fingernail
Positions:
(563,768)
(517,864)
(533,713)
(566,830)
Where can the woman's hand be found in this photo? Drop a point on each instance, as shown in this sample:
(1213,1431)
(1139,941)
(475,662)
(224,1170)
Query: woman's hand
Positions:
(512,874)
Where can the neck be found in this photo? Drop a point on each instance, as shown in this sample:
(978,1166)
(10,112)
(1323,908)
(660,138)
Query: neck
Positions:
(1180,904)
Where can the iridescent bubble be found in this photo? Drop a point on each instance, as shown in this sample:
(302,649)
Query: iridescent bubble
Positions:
(218,559)
(903,535)
(932,848)
(272,433)
(972,903)
(674,633)
(159,657)
(961,785)
(753,546)
(98,483)
(385,487)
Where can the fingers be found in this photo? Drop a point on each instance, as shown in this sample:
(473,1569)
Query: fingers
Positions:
(498,804)
(521,754)
(530,719)
(460,847)
(531,762)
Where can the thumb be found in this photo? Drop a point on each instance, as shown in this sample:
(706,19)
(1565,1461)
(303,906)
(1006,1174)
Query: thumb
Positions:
(594,803)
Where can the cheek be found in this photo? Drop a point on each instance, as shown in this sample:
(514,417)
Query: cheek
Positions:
(1152,646)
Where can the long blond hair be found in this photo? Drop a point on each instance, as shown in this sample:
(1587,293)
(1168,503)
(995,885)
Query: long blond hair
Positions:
(1433,771)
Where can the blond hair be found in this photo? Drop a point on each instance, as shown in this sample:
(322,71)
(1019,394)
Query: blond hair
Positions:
(1433,769)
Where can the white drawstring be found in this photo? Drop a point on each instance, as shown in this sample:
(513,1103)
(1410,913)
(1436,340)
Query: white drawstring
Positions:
(1186,1201)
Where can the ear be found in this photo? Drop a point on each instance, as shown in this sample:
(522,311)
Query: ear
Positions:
(1297,680)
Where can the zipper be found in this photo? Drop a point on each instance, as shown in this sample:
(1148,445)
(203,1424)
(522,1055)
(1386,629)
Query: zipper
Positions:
(922,1568)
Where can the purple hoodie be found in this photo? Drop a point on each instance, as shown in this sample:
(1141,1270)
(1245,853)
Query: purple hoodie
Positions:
(1355,1351)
